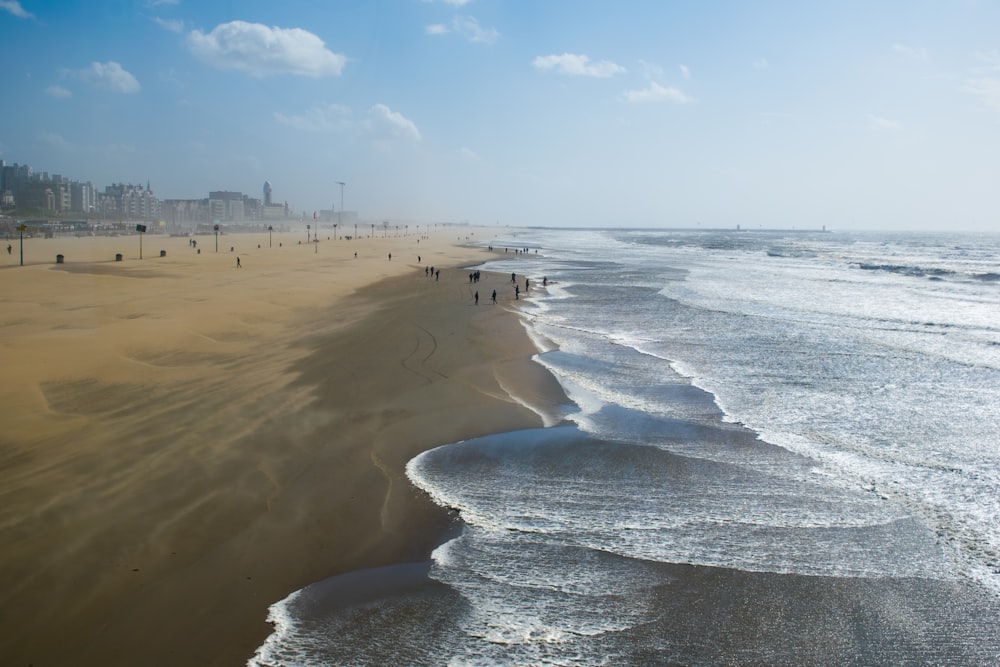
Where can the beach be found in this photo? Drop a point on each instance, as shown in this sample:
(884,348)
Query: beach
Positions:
(185,442)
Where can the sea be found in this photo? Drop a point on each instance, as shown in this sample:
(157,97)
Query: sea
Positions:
(780,448)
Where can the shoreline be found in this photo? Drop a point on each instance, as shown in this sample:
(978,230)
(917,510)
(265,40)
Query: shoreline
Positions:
(211,447)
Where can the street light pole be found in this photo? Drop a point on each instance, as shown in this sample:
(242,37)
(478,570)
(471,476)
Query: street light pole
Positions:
(21,229)
(341,184)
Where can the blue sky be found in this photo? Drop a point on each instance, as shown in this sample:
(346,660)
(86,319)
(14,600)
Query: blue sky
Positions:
(874,115)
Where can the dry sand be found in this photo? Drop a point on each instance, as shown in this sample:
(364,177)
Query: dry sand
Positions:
(183,443)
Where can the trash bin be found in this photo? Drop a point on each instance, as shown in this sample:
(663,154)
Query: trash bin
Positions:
(59,259)
(163,253)
(118,257)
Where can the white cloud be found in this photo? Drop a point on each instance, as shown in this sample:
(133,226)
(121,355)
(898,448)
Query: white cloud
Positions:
(761,63)
(58,92)
(911,53)
(385,123)
(685,72)
(173,25)
(983,83)
(14,7)
(467,27)
(577,65)
(987,89)
(650,70)
(325,118)
(657,93)
(261,51)
(109,76)
(881,123)
(467,153)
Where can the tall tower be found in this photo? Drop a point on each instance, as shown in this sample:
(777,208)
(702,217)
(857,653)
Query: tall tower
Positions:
(267,193)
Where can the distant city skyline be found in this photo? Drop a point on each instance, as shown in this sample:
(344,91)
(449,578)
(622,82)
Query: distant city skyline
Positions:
(26,191)
(852,115)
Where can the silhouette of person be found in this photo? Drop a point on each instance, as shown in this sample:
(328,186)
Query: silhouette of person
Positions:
(238,265)
(477,297)
(494,296)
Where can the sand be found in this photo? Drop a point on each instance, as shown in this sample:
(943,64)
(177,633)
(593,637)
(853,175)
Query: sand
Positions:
(183,443)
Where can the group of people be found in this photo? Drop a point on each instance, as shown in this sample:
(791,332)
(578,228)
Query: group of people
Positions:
(494,297)
(475,276)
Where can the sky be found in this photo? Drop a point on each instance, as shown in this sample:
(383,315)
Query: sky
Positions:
(849,114)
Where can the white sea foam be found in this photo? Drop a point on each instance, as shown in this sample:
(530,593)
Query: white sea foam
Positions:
(275,649)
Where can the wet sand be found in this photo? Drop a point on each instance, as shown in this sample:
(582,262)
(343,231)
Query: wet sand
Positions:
(184,443)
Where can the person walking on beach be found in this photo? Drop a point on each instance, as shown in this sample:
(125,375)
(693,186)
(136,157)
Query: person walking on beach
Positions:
(390,256)
(477,297)
(494,296)
(517,292)
(238,265)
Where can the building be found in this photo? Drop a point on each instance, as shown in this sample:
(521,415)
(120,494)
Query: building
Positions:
(128,202)
(225,206)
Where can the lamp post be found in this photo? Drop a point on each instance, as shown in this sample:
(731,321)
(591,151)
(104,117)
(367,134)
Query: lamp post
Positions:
(216,228)
(21,228)
(269,230)
(341,184)
(308,227)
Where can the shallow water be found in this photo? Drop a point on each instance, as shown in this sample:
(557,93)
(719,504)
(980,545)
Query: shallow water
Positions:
(783,450)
